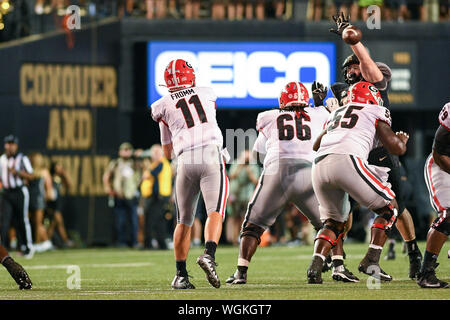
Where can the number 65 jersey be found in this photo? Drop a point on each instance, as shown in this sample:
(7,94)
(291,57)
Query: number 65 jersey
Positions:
(351,130)
(187,119)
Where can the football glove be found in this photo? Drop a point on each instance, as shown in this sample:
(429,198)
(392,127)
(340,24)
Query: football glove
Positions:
(319,93)
(341,23)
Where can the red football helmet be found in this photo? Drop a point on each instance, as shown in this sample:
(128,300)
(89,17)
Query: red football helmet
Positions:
(294,94)
(178,75)
(364,92)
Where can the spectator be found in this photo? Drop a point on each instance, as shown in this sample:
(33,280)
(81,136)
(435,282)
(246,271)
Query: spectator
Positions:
(349,7)
(315,10)
(396,10)
(156,8)
(156,188)
(218,9)
(444,10)
(280,7)
(192,9)
(417,10)
(244,9)
(243,179)
(41,189)
(121,180)
(60,179)
(161,9)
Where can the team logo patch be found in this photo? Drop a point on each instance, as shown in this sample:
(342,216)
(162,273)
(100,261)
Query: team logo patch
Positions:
(373,89)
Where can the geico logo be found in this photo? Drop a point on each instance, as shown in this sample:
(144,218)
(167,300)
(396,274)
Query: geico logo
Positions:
(68,85)
(239,75)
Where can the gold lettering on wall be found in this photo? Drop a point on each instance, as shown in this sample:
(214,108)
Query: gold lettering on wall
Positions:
(69,129)
(68,85)
(85,173)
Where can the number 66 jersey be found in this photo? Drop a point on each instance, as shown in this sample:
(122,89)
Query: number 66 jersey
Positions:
(187,118)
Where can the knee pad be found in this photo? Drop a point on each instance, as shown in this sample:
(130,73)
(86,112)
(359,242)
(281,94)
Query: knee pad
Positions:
(337,229)
(442,223)
(251,230)
(390,217)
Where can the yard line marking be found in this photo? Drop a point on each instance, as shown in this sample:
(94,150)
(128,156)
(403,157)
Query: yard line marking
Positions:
(94,265)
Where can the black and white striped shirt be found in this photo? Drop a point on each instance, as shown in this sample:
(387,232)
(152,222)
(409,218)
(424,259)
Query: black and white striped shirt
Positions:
(19,162)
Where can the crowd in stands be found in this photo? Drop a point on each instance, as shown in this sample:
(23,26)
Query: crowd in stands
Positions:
(20,18)
(314,10)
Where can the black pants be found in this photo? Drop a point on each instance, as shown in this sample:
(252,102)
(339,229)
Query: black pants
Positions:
(155,224)
(380,157)
(14,212)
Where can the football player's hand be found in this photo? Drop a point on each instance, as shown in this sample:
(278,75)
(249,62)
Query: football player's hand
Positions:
(341,23)
(403,136)
(319,93)
(332,104)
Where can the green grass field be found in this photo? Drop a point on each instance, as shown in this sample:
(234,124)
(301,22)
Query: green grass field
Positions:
(276,273)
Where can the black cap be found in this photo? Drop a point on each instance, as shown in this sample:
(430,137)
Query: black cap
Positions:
(11,139)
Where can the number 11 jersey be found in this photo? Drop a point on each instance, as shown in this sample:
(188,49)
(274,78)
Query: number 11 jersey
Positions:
(187,119)
(351,130)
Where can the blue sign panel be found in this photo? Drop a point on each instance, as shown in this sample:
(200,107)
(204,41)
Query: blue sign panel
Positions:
(244,74)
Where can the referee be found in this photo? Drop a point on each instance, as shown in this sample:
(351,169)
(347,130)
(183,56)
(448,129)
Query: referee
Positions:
(15,168)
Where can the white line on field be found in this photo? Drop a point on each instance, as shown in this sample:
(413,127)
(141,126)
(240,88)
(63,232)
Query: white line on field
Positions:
(94,265)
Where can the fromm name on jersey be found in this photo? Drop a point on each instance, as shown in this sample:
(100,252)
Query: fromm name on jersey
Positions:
(181,94)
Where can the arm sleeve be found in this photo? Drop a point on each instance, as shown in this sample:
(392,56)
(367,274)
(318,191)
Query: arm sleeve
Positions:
(387,74)
(166,135)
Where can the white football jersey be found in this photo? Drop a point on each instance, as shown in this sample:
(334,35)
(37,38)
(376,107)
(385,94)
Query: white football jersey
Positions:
(189,119)
(351,129)
(284,135)
(444,116)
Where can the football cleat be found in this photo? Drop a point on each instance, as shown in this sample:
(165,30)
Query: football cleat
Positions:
(314,272)
(180,282)
(237,278)
(374,270)
(415,261)
(341,273)
(427,279)
(207,263)
(18,273)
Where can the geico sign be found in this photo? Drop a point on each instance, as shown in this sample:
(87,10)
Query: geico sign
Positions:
(238,74)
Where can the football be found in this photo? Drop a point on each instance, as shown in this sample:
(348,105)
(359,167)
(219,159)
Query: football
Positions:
(352,35)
